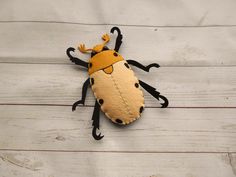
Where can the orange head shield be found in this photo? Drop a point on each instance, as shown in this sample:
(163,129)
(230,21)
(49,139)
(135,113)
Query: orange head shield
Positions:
(101,56)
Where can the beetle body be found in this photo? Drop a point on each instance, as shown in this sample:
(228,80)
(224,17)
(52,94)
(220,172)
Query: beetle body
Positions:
(115,87)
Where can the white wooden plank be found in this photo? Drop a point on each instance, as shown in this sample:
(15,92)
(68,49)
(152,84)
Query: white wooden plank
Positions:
(132,12)
(41,164)
(46,43)
(61,84)
(159,130)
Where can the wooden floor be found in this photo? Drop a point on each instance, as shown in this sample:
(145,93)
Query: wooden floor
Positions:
(193,40)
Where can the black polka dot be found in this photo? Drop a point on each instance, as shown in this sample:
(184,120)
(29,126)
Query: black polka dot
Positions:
(105,48)
(141,109)
(136,85)
(90,65)
(115,54)
(126,64)
(93,53)
(92,81)
(101,101)
(119,121)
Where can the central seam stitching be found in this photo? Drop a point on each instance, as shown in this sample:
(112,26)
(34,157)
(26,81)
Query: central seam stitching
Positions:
(123,99)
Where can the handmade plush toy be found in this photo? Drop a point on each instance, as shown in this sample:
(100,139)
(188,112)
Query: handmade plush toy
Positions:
(117,90)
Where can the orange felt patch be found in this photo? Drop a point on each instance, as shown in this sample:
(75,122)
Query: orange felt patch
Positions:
(108,70)
(103,59)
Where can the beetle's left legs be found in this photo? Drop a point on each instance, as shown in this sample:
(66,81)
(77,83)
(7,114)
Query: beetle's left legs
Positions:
(118,39)
(96,118)
(75,60)
(154,93)
(84,91)
(139,65)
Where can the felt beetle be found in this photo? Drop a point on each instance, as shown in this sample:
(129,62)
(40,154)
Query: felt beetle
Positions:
(117,90)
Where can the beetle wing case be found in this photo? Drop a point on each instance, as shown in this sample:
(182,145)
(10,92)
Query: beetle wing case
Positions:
(118,93)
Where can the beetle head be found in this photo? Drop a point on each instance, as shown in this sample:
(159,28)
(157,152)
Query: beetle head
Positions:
(103,49)
(101,56)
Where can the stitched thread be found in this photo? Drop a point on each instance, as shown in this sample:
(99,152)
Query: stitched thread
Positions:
(123,99)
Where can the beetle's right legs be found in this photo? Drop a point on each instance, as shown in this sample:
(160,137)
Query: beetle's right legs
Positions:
(118,39)
(96,119)
(140,66)
(84,91)
(154,93)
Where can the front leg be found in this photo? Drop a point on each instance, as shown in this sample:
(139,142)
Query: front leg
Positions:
(139,65)
(154,93)
(96,119)
(75,60)
(118,39)
(84,91)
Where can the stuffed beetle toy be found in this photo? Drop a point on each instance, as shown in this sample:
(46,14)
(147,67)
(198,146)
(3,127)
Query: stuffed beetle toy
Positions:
(116,88)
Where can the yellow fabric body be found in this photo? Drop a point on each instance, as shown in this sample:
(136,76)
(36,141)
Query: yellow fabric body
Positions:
(103,60)
(121,98)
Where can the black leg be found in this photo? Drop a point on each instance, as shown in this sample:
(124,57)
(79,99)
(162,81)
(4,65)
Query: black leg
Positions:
(75,60)
(95,118)
(118,39)
(154,93)
(139,65)
(84,91)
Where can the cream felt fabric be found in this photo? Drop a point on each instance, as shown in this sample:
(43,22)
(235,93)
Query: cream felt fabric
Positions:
(121,98)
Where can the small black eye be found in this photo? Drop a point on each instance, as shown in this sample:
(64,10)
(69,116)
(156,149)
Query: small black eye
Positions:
(105,48)
(136,85)
(115,54)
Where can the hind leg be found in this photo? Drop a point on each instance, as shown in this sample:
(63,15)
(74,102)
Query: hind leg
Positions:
(154,93)
(84,91)
(96,120)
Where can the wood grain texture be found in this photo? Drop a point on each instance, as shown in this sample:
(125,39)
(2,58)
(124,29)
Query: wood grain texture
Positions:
(159,130)
(150,12)
(61,85)
(41,164)
(195,41)
(46,43)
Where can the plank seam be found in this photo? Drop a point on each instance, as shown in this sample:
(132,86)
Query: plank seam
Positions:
(138,152)
(117,24)
(169,107)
